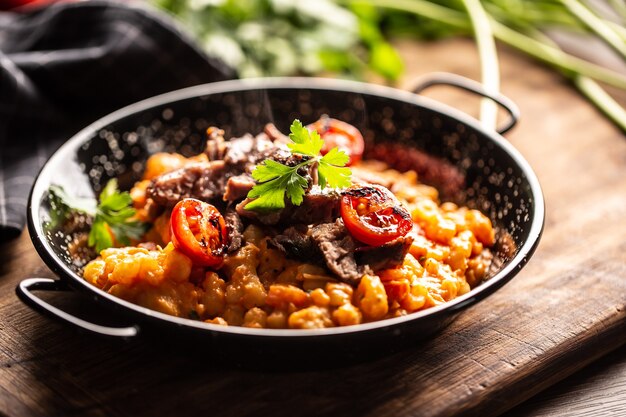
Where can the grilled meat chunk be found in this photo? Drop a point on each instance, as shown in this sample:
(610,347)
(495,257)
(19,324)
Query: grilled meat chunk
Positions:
(237,187)
(296,242)
(234,225)
(337,248)
(239,154)
(204,181)
(247,151)
(276,135)
(331,245)
(389,255)
(216,145)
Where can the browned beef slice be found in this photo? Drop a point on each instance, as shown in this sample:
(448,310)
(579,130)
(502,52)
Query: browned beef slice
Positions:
(297,243)
(247,150)
(389,255)
(239,154)
(317,207)
(331,245)
(275,135)
(237,187)
(204,181)
(234,225)
(337,248)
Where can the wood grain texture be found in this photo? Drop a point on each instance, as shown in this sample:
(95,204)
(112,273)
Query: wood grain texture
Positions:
(599,390)
(566,309)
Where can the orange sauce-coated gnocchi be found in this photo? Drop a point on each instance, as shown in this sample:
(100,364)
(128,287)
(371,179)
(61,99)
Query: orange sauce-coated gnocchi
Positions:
(257,286)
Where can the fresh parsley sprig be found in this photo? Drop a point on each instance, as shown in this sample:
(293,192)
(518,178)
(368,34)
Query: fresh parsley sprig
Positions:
(275,180)
(63,206)
(112,216)
(115,211)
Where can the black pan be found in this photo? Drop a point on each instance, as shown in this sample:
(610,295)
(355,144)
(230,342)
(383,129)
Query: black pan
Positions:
(462,155)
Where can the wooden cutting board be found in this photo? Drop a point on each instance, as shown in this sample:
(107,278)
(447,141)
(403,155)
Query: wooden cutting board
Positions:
(564,310)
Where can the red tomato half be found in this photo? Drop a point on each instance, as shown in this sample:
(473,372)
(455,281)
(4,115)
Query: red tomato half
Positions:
(373,215)
(25,5)
(199,231)
(342,135)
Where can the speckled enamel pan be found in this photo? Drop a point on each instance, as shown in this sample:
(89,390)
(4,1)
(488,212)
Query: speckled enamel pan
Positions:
(496,178)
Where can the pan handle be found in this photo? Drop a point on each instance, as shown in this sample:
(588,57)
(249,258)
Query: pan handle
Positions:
(24,291)
(445,78)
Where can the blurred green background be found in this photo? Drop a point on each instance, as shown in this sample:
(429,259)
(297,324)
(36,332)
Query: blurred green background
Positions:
(351,38)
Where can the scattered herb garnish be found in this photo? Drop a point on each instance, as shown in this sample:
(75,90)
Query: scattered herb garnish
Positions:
(275,179)
(111,216)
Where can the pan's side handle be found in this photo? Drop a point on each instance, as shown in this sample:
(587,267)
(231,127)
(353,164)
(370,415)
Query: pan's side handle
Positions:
(24,291)
(454,80)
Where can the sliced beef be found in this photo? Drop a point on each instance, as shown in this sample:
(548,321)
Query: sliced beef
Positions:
(318,206)
(331,245)
(389,255)
(296,242)
(244,153)
(337,248)
(271,218)
(148,246)
(204,181)
(239,154)
(234,225)
(237,187)
(275,135)
(247,151)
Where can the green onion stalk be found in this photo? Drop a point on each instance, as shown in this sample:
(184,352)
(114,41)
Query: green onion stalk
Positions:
(584,74)
(488,58)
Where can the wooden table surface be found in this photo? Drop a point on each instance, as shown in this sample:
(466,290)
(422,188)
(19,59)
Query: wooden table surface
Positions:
(565,310)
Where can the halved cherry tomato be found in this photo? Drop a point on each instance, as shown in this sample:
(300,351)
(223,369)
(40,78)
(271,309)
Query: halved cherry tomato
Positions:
(373,215)
(342,135)
(199,231)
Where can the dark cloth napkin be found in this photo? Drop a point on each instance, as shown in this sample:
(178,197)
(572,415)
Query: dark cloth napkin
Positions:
(64,66)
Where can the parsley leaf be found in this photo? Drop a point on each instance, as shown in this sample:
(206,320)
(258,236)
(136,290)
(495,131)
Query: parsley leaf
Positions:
(268,196)
(269,170)
(305,142)
(331,170)
(112,216)
(115,211)
(99,236)
(275,180)
(295,189)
